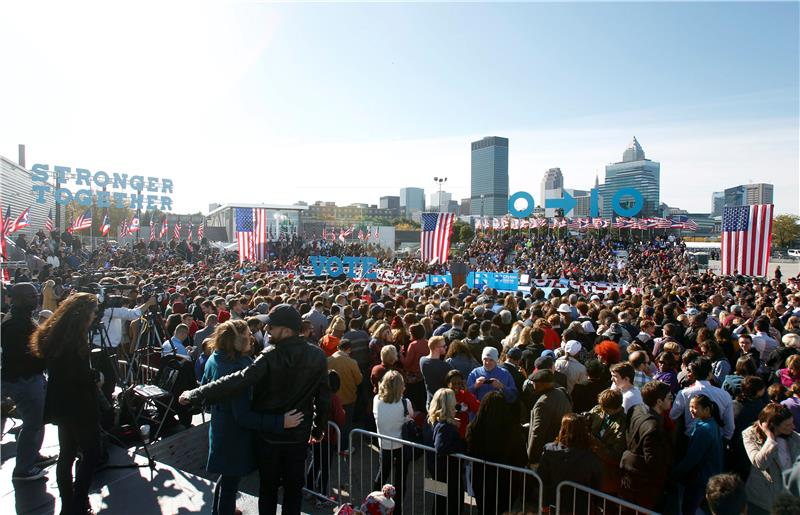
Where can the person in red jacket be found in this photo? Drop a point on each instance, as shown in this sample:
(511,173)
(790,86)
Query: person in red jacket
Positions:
(466,403)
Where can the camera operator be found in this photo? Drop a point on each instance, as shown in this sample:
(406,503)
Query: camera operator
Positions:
(114,315)
(72,401)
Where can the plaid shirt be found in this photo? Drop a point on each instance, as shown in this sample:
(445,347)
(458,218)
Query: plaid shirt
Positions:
(640,379)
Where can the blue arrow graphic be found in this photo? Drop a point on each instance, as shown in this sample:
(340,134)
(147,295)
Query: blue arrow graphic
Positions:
(567,203)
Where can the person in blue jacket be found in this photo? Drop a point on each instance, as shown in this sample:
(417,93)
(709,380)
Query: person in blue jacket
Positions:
(704,457)
(231,451)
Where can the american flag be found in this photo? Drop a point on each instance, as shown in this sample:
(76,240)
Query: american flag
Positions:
(122,230)
(324,232)
(134,225)
(84,221)
(361,234)
(435,236)
(105,226)
(3,258)
(190,227)
(683,222)
(164,228)
(176,230)
(201,230)
(375,236)
(746,239)
(23,220)
(152,230)
(251,233)
(7,223)
(49,225)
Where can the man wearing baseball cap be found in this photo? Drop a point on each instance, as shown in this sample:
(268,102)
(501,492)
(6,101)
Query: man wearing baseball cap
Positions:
(292,375)
(490,378)
(570,366)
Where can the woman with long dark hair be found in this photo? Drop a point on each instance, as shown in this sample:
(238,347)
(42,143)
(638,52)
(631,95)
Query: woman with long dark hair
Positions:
(570,458)
(491,485)
(71,402)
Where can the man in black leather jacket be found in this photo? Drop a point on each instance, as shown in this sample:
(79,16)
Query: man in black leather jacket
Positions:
(292,375)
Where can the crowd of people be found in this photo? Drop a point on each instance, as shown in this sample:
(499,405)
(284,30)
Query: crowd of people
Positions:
(679,393)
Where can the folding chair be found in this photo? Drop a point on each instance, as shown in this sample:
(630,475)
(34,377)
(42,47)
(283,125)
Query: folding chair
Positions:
(158,397)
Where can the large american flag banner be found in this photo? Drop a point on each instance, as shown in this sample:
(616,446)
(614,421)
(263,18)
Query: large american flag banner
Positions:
(435,236)
(746,239)
(251,233)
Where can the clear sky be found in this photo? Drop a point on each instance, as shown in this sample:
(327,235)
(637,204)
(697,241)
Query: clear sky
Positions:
(259,102)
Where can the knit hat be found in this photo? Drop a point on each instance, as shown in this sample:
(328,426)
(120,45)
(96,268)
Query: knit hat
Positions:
(489,352)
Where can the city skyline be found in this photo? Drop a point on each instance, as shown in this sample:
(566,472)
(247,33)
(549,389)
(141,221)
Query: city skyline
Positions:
(261,92)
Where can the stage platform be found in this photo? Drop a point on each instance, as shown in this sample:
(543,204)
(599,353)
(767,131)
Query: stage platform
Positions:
(179,484)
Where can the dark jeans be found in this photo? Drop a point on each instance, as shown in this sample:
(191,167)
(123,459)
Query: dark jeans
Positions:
(281,464)
(28,395)
(74,436)
(393,471)
(225,495)
(448,471)
(319,472)
(492,489)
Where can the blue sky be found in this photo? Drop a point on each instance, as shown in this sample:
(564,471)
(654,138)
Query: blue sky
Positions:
(349,102)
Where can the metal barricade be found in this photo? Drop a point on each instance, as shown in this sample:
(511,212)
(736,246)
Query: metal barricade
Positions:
(592,501)
(437,483)
(321,482)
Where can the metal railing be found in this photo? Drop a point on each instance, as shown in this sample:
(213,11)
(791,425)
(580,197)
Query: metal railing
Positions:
(590,501)
(438,483)
(320,481)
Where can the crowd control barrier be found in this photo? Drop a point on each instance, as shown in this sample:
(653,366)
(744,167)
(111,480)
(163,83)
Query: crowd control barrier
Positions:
(427,483)
(573,498)
(324,467)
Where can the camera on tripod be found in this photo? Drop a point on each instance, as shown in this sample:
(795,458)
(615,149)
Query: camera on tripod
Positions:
(105,299)
(156,290)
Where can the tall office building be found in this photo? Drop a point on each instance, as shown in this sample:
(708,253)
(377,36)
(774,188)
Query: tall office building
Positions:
(489,184)
(392,203)
(634,171)
(717,203)
(760,193)
(552,187)
(749,194)
(439,201)
(412,200)
(582,203)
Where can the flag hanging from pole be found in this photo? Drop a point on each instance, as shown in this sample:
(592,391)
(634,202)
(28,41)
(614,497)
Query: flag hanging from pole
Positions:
(201,232)
(251,233)
(190,230)
(123,228)
(746,239)
(435,236)
(152,230)
(134,225)
(23,220)
(3,259)
(164,228)
(84,221)
(176,231)
(105,226)
(49,225)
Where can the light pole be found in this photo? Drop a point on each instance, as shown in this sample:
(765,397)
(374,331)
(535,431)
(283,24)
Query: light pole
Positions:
(440,180)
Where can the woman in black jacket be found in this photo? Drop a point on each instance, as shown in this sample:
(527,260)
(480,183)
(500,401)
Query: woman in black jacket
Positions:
(492,485)
(71,401)
(570,458)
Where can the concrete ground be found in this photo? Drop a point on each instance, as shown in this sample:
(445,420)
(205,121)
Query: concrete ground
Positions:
(788,268)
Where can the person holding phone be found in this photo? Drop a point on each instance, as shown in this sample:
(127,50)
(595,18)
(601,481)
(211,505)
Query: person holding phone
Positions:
(491,378)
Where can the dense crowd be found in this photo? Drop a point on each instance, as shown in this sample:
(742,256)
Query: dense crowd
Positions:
(680,392)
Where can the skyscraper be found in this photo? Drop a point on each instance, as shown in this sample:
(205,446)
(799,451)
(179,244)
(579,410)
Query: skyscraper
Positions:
(489,184)
(392,203)
(439,203)
(759,193)
(634,171)
(717,203)
(552,187)
(412,200)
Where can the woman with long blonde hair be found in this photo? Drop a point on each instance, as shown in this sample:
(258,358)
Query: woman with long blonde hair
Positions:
(447,441)
(391,411)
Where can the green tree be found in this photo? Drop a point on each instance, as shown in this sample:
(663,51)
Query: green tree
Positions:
(785,230)
(467,233)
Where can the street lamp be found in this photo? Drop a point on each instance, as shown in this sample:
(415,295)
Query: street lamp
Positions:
(440,180)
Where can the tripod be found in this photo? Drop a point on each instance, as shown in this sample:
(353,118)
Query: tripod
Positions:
(149,338)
